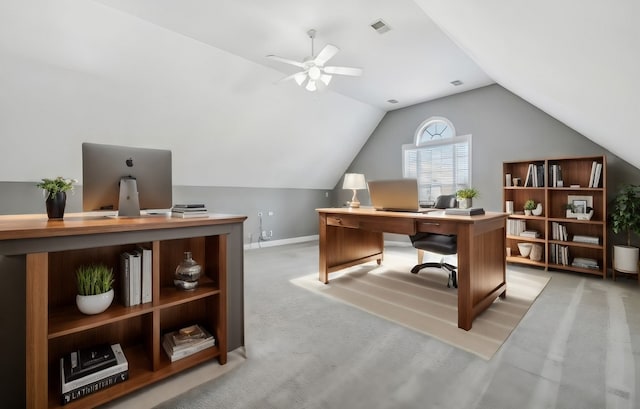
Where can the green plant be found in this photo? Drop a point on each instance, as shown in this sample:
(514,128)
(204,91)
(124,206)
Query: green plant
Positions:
(529,204)
(94,279)
(59,184)
(468,193)
(625,214)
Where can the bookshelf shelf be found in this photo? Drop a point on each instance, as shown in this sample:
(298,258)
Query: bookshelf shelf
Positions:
(48,254)
(581,179)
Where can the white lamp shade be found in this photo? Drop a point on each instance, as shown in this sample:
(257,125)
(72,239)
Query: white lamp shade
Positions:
(354,181)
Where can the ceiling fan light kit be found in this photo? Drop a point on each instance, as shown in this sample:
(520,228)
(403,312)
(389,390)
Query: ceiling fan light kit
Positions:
(315,75)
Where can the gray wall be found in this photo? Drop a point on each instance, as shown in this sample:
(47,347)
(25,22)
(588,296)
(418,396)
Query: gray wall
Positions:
(293,209)
(503,126)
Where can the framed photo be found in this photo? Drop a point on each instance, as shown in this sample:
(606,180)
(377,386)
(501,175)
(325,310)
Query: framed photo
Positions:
(577,206)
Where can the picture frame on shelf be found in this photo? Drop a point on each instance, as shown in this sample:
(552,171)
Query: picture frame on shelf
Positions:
(577,206)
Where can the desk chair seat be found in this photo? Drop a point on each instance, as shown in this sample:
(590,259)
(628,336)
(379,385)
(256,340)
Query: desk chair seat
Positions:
(443,244)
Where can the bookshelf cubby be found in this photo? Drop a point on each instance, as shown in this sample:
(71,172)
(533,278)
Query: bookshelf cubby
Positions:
(571,240)
(53,250)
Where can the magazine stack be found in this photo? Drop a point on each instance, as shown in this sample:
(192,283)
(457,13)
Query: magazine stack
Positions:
(187,341)
(190,210)
(90,370)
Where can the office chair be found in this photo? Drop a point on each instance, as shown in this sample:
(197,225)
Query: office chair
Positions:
(443,244)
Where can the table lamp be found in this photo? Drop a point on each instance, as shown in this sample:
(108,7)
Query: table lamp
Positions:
(355,182)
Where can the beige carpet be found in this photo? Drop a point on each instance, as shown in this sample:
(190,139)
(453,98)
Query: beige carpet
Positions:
(423,302)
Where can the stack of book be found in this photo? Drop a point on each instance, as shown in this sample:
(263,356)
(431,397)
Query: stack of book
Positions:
(530,233)
(585,263)
(471,211)
(579,238)
(135,273)
(189,210)
(187,341)
(90,370)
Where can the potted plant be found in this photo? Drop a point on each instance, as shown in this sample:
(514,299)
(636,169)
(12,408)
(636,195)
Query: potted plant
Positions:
(95,288)
(625,218)
(56,195)
(465,197)
(529,205)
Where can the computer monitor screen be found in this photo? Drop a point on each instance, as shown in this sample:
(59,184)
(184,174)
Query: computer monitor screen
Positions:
(125,178)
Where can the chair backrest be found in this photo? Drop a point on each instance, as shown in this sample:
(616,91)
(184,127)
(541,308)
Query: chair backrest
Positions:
(445,202)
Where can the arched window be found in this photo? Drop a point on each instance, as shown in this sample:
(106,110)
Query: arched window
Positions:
(439,159)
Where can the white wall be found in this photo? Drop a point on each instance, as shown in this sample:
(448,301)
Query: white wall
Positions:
(74,71)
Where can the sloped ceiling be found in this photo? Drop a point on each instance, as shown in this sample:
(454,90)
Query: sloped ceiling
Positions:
(576,60)
(191,76)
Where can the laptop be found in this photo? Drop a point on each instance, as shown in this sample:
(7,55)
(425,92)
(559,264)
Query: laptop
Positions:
(397,195)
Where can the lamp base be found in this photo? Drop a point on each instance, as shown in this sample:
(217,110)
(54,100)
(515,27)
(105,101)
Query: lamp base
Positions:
(354,204)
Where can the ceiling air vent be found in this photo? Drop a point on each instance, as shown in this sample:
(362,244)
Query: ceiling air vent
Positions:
(456,83)
(392,101)
(380,26)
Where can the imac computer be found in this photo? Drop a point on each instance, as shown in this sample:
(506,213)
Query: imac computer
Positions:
(125,179)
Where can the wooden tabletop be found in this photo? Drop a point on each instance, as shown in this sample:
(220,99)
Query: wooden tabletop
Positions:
(38,225)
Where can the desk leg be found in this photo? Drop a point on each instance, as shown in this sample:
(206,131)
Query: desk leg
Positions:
(481,269)
(342,247)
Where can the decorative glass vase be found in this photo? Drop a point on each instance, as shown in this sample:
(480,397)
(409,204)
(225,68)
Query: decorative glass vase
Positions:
(187,273)
(55,205)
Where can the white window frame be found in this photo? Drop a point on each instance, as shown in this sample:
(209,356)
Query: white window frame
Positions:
(429,191)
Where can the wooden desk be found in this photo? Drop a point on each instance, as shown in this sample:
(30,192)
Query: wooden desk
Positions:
(353,236)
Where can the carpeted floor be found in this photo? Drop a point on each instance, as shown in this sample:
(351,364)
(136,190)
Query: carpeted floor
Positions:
(422,302)
(576,347)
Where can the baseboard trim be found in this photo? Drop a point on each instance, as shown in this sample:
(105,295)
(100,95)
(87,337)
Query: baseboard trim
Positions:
(282,242)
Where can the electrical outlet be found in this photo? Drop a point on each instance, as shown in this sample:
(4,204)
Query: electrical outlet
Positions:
(270,213)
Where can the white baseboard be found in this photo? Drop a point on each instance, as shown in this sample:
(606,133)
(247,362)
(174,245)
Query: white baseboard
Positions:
(271,243)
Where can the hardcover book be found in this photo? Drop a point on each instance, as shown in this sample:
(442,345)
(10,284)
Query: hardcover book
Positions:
(120,365)
(86,361)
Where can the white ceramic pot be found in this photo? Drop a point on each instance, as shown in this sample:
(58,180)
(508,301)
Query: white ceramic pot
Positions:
(625,259)
(94,304)
(464,203)
(538,210)
(527,212)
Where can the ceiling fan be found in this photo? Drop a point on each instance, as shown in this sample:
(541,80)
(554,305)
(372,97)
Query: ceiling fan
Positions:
(315,74)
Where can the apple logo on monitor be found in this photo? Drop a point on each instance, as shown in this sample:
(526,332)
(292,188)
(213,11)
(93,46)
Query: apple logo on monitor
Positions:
(129,162)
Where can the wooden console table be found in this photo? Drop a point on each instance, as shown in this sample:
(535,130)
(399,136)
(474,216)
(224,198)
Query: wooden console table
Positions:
(38,259)
(353,236)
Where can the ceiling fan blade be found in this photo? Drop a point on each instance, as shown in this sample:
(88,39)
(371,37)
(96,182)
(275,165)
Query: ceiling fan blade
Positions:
(354,72)
(326,54)
(286,61)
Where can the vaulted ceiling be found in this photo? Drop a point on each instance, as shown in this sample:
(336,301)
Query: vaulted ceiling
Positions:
(188,74)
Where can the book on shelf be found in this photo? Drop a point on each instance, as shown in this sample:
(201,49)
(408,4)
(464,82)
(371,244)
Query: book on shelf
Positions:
(86,361)
(186,341)
(530,233)
(91,383)
(146,273)
(130,276)
(472,211)
(584,262)
(586,239)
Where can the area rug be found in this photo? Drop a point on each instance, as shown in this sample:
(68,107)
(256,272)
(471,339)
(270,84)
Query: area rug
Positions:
(423,302)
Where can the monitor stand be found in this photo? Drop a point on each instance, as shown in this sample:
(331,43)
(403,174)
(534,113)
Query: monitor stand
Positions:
(128,205)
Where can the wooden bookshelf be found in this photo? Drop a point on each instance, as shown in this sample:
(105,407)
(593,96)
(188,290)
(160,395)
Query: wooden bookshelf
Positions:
(53,250)
(560,181)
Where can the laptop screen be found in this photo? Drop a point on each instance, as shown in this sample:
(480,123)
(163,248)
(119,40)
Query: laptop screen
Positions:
(396,194)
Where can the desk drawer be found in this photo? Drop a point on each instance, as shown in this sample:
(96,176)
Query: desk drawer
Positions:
(437,227)
(343,221)
(388,225)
